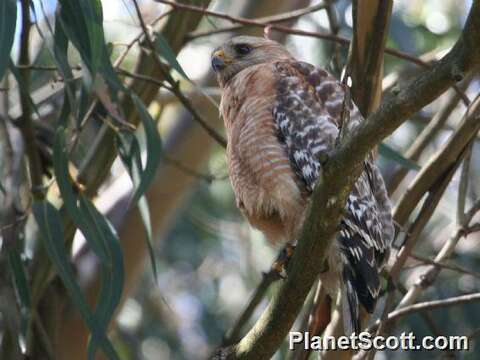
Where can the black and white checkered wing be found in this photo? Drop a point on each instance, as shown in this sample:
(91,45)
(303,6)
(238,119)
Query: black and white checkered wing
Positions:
(307,113)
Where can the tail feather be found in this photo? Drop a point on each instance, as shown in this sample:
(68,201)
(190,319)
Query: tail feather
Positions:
(350,303)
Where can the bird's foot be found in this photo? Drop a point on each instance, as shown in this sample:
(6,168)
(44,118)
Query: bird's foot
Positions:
(281,263)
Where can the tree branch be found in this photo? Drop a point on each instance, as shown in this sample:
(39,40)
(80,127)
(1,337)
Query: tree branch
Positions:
(429,305)
(425,137)
(267,20)
(25,121)
(440,162)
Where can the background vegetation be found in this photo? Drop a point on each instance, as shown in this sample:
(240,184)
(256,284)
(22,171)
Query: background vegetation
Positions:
(107,106)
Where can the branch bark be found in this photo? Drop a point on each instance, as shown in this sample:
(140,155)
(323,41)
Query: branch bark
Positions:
(371,19)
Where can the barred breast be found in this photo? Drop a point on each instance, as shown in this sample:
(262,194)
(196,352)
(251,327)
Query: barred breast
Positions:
(265,186)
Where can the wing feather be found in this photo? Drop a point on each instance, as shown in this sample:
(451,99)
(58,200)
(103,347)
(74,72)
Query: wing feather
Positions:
(307,114)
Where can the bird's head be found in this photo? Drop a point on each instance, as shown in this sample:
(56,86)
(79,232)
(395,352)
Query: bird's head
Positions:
(241,52)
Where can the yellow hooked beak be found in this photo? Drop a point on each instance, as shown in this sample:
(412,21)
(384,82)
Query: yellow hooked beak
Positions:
(220,60)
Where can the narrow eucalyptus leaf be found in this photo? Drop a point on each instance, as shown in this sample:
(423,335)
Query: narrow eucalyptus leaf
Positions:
(8,18)
(394,155)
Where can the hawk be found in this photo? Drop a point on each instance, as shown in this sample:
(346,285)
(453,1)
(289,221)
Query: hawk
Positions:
(282,117)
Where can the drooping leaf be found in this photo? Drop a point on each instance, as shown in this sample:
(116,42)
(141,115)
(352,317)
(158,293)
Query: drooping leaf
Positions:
(166,52)
(394,155)
(70,198)
(20,278)
(82,23)
(153,148)
(2,189)
(113,277)
(92,11)
(74,25)
(51,230)
(60,51)
(8,18)
(99,234)
(130,153)
(19,275)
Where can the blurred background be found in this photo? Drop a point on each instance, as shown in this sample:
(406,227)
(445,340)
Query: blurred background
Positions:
(209,260)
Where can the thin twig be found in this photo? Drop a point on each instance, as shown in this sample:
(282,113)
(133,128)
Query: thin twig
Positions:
(267,20)
(447,266)
(425,137)
(330,37)
(428,276)
(175,86)
(233,335)
(428,305)
(142,77)
(193,173)
(440,162)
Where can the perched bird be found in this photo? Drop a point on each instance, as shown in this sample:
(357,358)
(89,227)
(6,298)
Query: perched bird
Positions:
(282,117)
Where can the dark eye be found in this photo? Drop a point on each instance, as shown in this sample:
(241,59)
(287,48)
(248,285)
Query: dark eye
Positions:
(242,49)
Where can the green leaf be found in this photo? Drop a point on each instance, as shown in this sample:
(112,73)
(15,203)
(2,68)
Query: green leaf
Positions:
(8,18)
(70,198)
(19,275)
(112,277)
(390,153)
(92,10)
(82,21)
(153,148)
(20,278)
(130,153)
(166,52)
(60,52)
(99,234)
(75,27)
(51,231)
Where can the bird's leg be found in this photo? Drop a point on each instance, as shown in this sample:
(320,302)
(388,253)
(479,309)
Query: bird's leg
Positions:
(281,262)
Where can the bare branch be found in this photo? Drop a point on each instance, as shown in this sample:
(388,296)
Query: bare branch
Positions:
(233,334)
(429,305)
(425,137)
(442,160)
(267,20)
(447,266)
